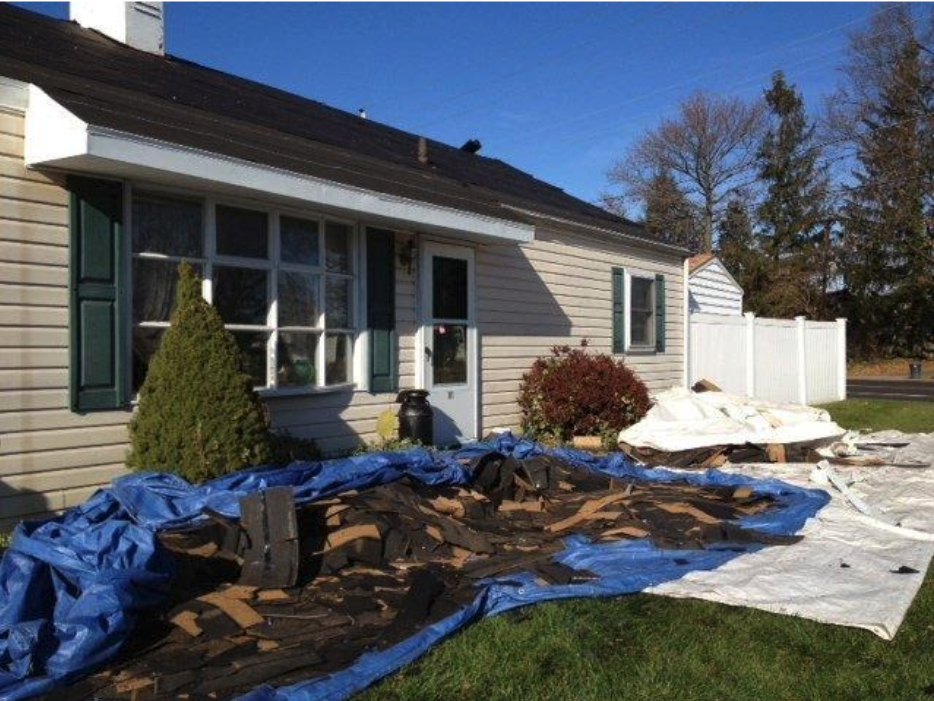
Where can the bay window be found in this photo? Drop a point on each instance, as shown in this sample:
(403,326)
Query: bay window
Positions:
(282,282)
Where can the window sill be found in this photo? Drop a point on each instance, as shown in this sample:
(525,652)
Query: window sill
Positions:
(283,392)
(641,350)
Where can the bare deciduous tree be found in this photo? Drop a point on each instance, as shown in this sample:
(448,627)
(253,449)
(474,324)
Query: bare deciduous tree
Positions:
(709,148)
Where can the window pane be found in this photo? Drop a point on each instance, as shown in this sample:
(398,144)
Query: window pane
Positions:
(171,227)
(641,329)
(240,295)
(642,294)
(298,299)
(449,282)
(145,344)
(242,232)
(337,247)
(297,355)
(252,347)
(337,311)
(337,359)
(154,283)
(299,241)
(449,354)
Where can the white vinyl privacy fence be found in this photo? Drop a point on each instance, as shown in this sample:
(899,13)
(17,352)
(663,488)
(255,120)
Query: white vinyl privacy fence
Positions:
(780,360)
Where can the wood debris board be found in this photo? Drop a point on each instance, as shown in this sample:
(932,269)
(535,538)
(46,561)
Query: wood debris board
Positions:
(242,613)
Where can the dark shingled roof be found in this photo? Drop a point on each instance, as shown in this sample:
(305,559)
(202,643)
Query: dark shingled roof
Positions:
(108,84)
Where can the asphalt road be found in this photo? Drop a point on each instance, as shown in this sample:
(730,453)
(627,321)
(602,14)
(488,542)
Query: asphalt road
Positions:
(889,388)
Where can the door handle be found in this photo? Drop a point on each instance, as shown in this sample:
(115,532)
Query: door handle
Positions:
(428,352)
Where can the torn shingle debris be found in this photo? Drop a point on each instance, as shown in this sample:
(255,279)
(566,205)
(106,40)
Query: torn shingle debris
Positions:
(375,566)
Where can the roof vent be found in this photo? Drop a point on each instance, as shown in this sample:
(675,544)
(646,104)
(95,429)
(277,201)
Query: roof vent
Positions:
(423,150)
(472,146)
(137,24)
(362,112)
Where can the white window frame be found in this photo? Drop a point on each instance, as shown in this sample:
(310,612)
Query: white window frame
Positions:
(272,264)
(648,346)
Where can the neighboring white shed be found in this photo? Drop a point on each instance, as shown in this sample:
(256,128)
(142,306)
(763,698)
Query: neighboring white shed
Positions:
(711,288)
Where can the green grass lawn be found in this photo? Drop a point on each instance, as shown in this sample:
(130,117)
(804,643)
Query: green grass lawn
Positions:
(881,414)
(646,647)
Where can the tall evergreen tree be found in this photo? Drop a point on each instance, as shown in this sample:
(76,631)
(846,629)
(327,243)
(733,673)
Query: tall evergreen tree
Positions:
(669,214)
(888,252)
(739,252)
(795,206)
(794,216)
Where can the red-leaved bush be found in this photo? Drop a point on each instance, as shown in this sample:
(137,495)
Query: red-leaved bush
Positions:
(576,393)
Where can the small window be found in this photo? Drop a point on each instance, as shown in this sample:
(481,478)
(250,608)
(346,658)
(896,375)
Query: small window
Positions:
(642,312)
(170,227)
(243,233)
(299,241)
(337,243)
(241,295)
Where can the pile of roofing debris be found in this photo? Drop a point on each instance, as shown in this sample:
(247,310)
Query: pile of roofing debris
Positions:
(292,593)
(707,428)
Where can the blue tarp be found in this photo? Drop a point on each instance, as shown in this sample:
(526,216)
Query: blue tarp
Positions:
(71,587)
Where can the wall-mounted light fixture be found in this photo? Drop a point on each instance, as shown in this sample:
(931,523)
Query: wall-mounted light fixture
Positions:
(407,255)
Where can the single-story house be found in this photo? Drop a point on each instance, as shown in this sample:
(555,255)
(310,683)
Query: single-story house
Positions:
(348,258)
(711,287)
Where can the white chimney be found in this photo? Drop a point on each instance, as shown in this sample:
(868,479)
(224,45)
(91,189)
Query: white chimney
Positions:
(136,24)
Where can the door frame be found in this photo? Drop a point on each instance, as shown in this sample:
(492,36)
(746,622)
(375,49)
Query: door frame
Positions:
(427,248)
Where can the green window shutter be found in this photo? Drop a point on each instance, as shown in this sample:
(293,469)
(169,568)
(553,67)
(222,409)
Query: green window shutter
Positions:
(619,311)
(659,313)
(97,290)
(381,309)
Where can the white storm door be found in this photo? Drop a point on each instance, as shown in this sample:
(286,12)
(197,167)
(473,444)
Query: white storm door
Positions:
(449,340)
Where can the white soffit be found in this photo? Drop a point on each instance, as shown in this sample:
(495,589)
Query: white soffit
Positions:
(56,138)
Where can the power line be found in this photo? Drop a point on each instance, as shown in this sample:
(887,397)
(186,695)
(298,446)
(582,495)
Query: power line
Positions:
(543,39)
(681,83)
(537,63)
(755,81)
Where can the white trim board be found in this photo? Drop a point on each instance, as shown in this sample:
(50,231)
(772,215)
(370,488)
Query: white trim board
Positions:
(57,138)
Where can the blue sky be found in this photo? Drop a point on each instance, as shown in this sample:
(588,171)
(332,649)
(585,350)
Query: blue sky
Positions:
(558,90)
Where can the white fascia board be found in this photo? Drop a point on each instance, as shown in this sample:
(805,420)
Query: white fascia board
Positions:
(52,132)
(72,144)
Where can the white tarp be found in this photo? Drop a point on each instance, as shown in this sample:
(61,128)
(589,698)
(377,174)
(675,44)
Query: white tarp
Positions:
(846,570)
(683,420)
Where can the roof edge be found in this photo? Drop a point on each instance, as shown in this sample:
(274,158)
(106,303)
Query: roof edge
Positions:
(639,240)
(56,138)
(716,259)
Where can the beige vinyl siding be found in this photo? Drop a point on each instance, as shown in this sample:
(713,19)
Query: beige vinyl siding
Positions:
(556,291)
(50,458)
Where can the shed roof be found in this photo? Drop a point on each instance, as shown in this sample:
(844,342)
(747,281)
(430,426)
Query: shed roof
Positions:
(704,260)
(699,261)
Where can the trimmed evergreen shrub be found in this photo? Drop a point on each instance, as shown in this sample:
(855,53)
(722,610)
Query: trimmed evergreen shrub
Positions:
(576,393)
(198,415)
